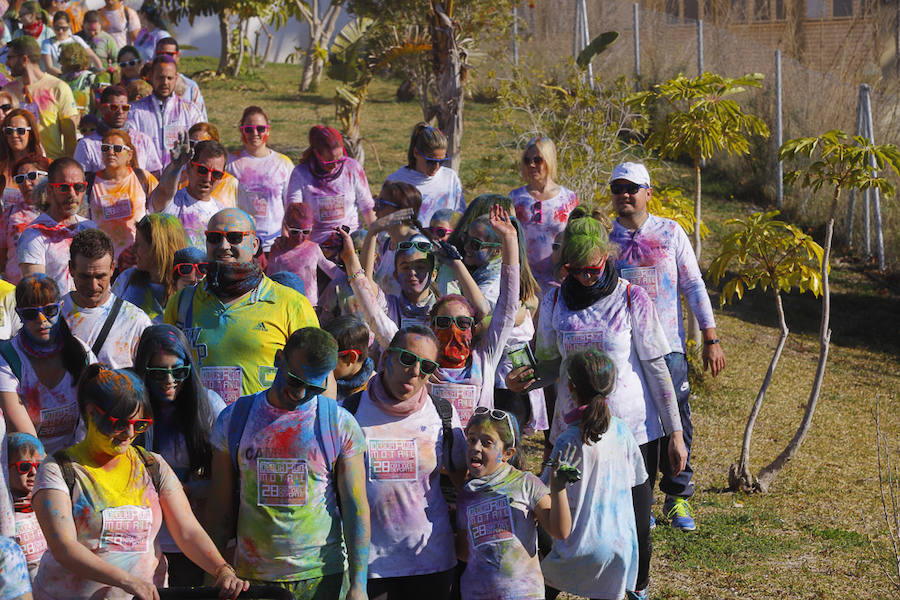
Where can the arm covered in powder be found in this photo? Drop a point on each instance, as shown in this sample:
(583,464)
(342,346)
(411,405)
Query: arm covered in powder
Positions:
(503,320)
(379,323)
(663,393)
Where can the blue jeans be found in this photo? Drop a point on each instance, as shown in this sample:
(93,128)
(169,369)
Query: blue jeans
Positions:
(681,484)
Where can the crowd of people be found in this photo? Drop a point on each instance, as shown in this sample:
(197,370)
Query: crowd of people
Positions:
(227,368)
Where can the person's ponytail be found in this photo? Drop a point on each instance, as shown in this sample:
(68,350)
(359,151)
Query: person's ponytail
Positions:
(595,419)
(592,375)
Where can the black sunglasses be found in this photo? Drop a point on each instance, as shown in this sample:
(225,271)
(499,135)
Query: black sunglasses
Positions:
(626,188)
(234,237)
(161,374)
(6,107)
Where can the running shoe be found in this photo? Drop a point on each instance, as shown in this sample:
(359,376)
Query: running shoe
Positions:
(678,511)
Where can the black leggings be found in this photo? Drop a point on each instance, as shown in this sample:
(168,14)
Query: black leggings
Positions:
(412,587)
(518,405)
(642,499)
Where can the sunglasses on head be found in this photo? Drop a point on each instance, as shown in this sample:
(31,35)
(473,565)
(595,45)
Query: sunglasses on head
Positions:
(533,161)
(16,130)
(234,237)
(497,415)
(409,359)
(626,188)
(24,467)
(30,313)
(438,232)
(64,187)
(116,107)
(420,246)
(130,63)
(185,269)
(116,148)
(298,231)
(179,373)
(249,129)
(120,424)
(30,176)
(6,107)
(381,203)
(479,244)
(461,322)
(203,170)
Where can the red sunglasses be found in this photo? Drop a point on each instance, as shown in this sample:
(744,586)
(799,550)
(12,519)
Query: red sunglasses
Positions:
(119,424)
(588,271)
(64,188)
(24,467)
(354,353)
(203,170)
(327,163)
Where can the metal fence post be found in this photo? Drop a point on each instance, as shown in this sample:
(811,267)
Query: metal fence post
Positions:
(876,196)
(700,47)
(779,134)
(515,34)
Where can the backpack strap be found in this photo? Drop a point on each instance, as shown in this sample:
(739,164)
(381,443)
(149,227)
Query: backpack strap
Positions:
(236,426)
(185,319)
(152,466)
(107,325)
(65,465)
(9,354)
(445,412)
(351,403)
(327,429)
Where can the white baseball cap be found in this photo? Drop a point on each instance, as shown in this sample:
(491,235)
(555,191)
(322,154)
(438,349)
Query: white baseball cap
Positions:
(633,172)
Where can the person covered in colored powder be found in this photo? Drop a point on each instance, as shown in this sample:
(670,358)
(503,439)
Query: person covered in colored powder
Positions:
(499,508)
(332,183)
(354,367)
(110,324)
(28,172)
(44,245)
(655,253)
(410,437)
(237,318)
(101,503)
(40,367)
(296,459)
(24,455)
(295,252)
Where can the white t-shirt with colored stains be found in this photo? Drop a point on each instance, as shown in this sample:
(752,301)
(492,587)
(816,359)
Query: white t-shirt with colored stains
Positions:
(411,531)
(441,190)
(45,242)
(53,411)
(497,515)
(121,344)
(262,187)
(119,526)
(194,215)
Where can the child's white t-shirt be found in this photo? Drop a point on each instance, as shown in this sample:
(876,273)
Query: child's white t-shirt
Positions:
(441,190)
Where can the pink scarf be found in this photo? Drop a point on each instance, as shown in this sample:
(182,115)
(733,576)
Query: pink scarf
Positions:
(575,415)
(383,400)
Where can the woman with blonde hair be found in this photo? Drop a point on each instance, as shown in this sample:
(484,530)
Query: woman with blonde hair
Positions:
(151,282)
(117,195)
(439,185)
(542,206)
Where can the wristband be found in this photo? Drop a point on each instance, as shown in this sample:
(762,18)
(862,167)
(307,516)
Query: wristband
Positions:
(711,342)
(222,567)
(358,275)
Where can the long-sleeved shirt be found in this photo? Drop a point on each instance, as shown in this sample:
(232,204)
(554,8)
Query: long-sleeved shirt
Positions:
(163,120)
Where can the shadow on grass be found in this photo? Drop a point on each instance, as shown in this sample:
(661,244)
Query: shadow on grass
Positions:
(864,320)
(307,98)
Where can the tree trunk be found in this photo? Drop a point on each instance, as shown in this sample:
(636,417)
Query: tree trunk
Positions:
(225,40)
(693,328)
(448,77)
(239,61)
(739,476)
(769,472)
(320,31)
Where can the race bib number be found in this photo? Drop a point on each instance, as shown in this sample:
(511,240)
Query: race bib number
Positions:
(461,396)
(643,276)
(225,381)
(575,341)
(126,529)
(116,207)
(331,208)
(393,460)
(30,538)
(281,482)
(58,421)
(490,521)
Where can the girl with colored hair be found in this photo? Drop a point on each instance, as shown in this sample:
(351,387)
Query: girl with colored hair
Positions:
(20,210)
(600,557)
(466,368)
(117,195)
(101,503)
(500,507)
(262,176)
(151,282)
(332,183)
(425,158)
(40,366)
(542,206)
(595,309)
(184,413)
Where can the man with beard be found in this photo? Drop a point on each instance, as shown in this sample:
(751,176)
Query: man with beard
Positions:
(238,318)
(48,98)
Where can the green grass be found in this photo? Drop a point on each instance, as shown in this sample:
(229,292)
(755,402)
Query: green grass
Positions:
(809,536)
